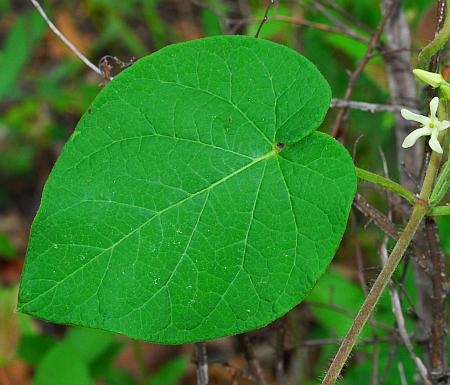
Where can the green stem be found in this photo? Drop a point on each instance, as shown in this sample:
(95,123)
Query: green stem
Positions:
(419,212)
(440,210)
(372,298)
(436,45)
(386,183)
(442,185)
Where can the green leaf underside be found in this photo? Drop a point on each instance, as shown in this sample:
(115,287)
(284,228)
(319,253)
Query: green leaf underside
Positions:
(171,216)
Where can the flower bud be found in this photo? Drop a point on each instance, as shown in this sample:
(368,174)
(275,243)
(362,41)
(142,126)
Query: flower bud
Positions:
(431,78)
(444,90)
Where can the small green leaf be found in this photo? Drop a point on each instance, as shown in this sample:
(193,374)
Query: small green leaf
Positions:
(62,365)
(174,213)
(89,343)
(32,348)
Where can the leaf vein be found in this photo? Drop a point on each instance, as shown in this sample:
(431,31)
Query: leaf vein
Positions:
(157,215)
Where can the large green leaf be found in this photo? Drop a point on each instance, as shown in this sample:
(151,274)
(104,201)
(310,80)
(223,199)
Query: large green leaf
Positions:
(174,213)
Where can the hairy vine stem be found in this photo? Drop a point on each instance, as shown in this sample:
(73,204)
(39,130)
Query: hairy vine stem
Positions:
(419,212)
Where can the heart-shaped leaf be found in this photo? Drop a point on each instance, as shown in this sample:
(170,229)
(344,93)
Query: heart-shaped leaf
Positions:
(194,199)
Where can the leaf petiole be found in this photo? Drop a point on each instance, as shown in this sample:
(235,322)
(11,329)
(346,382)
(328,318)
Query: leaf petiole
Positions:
(440,210)
(385,183)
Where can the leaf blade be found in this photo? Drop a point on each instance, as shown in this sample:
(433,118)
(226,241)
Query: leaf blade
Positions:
(170,202)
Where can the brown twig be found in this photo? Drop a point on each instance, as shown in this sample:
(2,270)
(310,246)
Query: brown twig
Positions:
(237,23)
(376,216)
(347,313)
(359,257)
(385,53)
(265,17)
(202,363)
(412,307)
(280,333)
(369,107)
(375,359)
(347,15)
(64,39)
(361,342)
(438,327)
(319,26)
(438,301)
(342,26)
(388,227)
(392,353)
(402,88)
(252,363)
(342,114)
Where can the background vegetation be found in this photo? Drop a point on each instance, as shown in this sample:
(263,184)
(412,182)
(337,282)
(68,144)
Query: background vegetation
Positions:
(44,89)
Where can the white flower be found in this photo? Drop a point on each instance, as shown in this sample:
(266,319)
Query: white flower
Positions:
(430,126)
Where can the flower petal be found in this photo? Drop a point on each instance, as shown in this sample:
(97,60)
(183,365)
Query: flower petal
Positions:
(443,125)
(411,139)
(434,142)
(434,104)
(408,115)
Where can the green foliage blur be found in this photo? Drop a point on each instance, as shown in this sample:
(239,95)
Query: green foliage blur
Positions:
(44,90)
